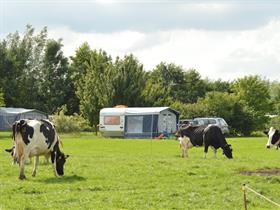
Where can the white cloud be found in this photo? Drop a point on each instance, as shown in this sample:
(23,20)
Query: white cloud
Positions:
(215,54)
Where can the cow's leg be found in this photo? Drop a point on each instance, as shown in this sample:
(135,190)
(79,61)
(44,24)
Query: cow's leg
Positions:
(205,150)
(21,167)
(35,166)
(215,152)
(47,157)
(184,152)
(184,147)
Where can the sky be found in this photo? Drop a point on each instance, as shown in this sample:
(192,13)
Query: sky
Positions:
(223,40)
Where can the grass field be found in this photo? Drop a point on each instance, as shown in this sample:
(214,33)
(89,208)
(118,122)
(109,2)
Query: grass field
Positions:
(141,174)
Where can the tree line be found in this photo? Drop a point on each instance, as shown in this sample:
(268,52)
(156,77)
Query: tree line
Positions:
(34,73)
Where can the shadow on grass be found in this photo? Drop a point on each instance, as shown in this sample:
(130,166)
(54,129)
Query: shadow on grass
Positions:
(64,179)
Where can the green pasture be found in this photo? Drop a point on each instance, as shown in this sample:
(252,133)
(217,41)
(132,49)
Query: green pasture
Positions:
(141,174)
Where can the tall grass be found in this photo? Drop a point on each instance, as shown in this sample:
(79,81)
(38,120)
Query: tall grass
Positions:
(140,174)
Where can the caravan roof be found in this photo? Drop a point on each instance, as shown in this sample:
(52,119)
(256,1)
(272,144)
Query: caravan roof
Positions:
(134,110)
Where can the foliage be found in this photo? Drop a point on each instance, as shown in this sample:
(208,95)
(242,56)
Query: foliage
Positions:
(273,122)
(229,107)
(94,88)
(168,83)
(80,62)
(69,124)
(55,80)
(275,97)
(78,67)
(220,104)
(218,86)
(194,87)
(189,111)
(160,84)
(253,93)
(257,134)
(128,80)
(2,102)
(141,174)
(20,67)
(33,71)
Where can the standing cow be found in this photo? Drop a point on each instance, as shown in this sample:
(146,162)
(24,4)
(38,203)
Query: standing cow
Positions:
(210,135)
(273,138)
(35,138)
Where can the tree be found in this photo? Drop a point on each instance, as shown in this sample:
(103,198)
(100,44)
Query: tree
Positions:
(78,69)
(80,62)
(94,88)
(194,87)
(253,93)
(55,84)
(128,80)
(163,85)
(274,89)
(34,73)
(2,102)
(189,110)
(21,63)
(220,104)
(32,50)
(218,86)
(229,107)
(168,83)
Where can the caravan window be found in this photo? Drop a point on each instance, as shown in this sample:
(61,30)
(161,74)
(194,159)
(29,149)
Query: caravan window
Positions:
(111,120)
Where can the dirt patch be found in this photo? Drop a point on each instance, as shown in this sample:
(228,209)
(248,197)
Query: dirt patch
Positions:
(262,172)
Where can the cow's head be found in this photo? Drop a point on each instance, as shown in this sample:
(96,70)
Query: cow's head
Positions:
(59,159)
(227,151)
(273,137)
(182,131)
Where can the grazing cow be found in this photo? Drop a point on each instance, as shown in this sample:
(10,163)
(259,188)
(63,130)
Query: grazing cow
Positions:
(35,138)
(210,135)
(273,138)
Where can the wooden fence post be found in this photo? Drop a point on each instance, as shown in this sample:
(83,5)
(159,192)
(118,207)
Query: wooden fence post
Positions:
(244,196)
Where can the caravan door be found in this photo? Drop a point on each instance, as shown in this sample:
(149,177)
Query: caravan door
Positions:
(167,122)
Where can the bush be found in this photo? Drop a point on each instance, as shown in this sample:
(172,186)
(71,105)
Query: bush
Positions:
(68,124)
(273,122)
(257,134)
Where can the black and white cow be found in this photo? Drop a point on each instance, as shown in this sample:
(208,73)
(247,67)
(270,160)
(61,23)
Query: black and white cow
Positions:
(36,138)
(207,135)
(273,138)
